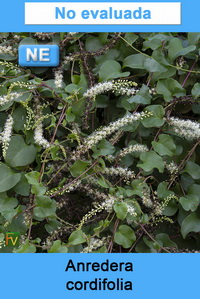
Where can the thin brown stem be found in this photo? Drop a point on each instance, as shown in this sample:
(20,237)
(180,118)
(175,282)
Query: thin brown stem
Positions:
(150,236)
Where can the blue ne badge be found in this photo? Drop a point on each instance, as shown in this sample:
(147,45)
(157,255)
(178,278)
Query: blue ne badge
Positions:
(39,55)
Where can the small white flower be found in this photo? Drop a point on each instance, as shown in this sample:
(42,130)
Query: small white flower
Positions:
(94,244)
(98,89)
(172,167)
(58,78)
(38,137)
(8,50)
(6,134)
(68,59)
(136,148)
(8,98)
(131,210)
(119,171)
(120,87)
(185,128)
(98,135)
(43,35)
(109,203)
(146,200)
(73,33)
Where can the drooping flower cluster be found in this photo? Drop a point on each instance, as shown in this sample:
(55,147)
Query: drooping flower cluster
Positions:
(98,89)
(58,78)
(172,167)
(9,97)
(131,210)
(146,199)
(39,138)
(2,243)
(8,50)
(91,180)
(136,148)
(73,33)
(103,132)
(104,201)
(124,87)
(69,187)
(6,134)
(94,244)
(97,136)
(119,171)
(180,62)
(185,128)
(43,35)
(109,203)
(73,186)
(17,38)
(152,91)
(120,87)
(116,137)
(160,206)
(69,59)
(38,132)
(158,210)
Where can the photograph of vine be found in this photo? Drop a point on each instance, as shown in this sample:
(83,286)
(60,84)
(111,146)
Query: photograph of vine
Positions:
(101,154)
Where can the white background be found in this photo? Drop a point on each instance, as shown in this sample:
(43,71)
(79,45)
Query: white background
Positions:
(43,13)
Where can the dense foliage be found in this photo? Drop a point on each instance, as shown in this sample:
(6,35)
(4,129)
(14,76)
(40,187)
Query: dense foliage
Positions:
(102,153)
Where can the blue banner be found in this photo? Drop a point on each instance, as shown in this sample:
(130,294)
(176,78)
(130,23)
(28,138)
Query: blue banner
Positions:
(137,276)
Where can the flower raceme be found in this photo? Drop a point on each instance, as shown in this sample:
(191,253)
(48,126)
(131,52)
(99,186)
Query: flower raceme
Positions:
(39,138)
(98,135)
(136,148)
(98,89)
(121,86)
(58,78)
(8,50)
(38,132)
(119,171)
(9,98)
(185,128)
(104,132)
(6,134)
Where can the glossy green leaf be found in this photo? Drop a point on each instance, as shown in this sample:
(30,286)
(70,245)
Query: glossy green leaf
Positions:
(142,97)
(125,236)
(78,168)
(165,239)
(165,145)
(193,38)
(23,187)
(170,88)
(19,117)
(44,206)
(176,49)
(26,248)
(18,153)
(190,224)
(121,210)
(7,203)
(193,170)
(189,202)
(196,90)
(139,61)
(150,161)
(8,178)
(33,177)
(57,247)
(114,71)
(77,237)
